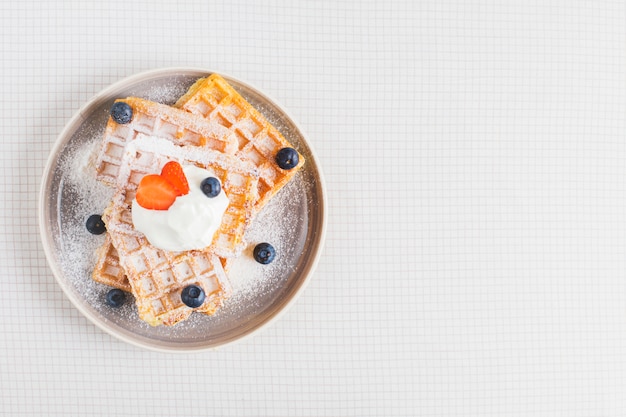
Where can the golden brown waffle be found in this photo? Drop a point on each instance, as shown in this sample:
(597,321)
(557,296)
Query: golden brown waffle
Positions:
(257,140)
(162,121)
(157,277)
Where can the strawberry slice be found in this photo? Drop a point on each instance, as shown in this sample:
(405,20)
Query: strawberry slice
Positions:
(173,172)
(155,193)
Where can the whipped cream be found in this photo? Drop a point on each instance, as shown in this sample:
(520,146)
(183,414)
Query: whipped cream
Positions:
(189,223)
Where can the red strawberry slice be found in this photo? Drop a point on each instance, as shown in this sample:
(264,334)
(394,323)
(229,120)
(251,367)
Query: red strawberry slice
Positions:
(173,172)
(155,193)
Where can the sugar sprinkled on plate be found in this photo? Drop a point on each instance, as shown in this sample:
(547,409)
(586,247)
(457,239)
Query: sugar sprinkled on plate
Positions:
(87,197)
(276,224)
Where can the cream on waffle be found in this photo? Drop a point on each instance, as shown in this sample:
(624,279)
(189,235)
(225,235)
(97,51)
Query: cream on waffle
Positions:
(258,141)
(162,121)
(157,277)
(147,155)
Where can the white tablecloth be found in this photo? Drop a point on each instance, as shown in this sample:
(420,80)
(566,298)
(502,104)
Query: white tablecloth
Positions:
(474,154)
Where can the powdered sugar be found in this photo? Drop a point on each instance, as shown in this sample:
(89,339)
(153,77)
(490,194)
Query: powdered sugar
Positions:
(79,171)
(278,224)
(81,196)
(166,94)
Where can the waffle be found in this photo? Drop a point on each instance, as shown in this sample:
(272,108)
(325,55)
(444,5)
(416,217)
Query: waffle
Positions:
(157,277)
(162,121)
(257,140)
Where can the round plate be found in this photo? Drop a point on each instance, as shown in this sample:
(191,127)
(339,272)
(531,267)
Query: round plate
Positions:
(293,221)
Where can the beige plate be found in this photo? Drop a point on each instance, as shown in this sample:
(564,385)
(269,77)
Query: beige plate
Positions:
(294,221)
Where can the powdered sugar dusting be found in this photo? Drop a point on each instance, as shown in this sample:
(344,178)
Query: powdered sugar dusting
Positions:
(79,170)
(277,224)
(83,196)
(166,94)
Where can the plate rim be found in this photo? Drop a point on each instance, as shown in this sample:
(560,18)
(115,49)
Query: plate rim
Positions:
(46,238)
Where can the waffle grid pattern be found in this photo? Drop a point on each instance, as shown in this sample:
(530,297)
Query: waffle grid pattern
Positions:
(157,277)
(158,120)
(258,140)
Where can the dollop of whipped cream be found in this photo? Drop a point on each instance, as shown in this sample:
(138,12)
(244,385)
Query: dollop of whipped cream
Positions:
(189,223)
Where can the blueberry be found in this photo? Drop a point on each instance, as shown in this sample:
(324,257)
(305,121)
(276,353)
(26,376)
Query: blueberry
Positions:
(192,296)
(211,187)
(264,253)
(95,225)
(115,298)
(287,158)
(121,112)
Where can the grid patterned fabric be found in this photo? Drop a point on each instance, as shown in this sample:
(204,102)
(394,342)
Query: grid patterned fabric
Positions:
(474,156)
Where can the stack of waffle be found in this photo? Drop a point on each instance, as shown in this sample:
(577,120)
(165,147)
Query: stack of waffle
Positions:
(212,127)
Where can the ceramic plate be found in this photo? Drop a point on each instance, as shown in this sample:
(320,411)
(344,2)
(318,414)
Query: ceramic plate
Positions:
(293,221)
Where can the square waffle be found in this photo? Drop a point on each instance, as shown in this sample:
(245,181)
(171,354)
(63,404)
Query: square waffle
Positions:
(157,277)
(258,141)
(162,121)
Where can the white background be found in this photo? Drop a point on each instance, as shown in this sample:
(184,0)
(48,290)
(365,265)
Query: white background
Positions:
(474,153)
